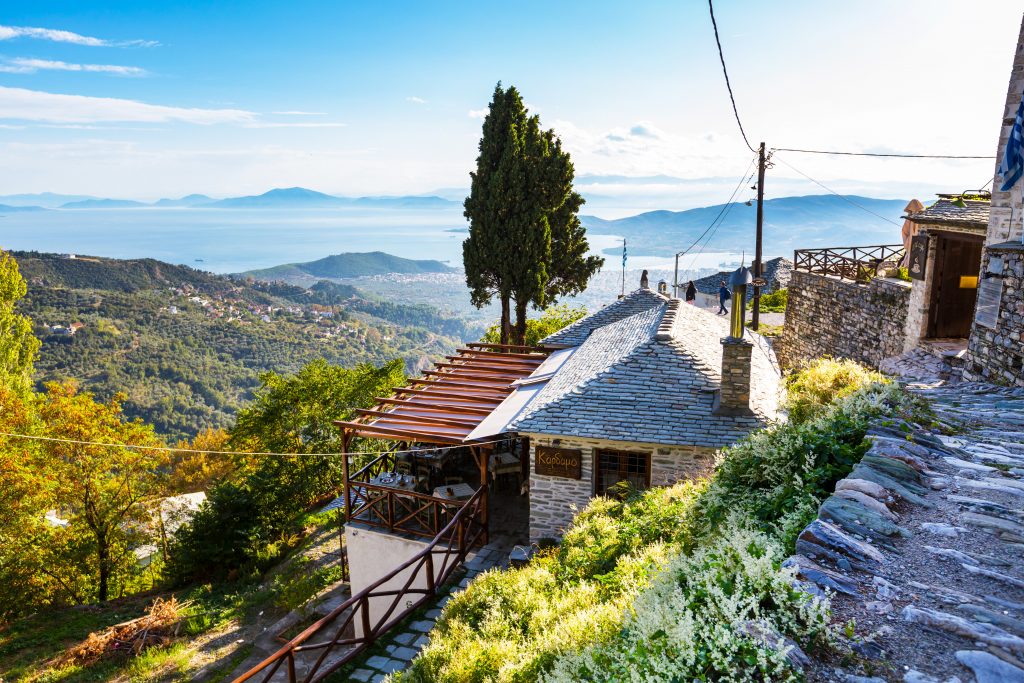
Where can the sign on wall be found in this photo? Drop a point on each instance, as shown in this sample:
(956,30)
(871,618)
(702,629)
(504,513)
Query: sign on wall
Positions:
(918,261)
(559,462)
(990,294)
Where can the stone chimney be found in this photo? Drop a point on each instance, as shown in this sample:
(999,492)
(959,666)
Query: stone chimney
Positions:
(734,394)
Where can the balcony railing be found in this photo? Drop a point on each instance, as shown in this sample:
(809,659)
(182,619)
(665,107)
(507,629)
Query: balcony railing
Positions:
(858,264)
(355,626)
(394,509)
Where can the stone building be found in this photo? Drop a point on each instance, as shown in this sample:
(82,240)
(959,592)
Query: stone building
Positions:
(996,350)
(646,390)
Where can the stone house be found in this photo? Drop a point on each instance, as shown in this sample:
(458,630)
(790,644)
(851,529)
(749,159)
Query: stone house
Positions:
(996,348)
(638,395)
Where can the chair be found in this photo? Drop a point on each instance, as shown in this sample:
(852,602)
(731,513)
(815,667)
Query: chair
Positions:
(403,467)
(448,481)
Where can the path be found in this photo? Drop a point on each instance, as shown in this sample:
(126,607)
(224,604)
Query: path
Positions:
(925,543)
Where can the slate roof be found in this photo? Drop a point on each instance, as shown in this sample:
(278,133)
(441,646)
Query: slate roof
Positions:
(776,272)
(634,302)
(944,212)
(629,382)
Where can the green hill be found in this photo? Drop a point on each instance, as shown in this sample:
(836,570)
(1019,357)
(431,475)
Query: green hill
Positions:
(187,346)
(350,265)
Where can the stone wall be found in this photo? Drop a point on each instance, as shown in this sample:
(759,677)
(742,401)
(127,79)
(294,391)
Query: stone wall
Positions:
(997,355)
(827,316)
(554,501)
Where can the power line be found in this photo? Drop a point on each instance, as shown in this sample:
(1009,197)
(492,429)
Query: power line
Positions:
(721,219)
(170,449)
(873,154)
(725,207)
(843,197)
(728,85)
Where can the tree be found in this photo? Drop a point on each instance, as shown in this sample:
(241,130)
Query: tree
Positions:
(525,242)
(18,346)
(104,492)
(551,320)
(245,517)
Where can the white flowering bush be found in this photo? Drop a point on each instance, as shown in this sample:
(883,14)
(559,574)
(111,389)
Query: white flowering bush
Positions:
(722,613)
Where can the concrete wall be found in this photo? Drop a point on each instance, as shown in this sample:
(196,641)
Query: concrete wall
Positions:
(997,355)
(372,554)
(554,501)
(827,316)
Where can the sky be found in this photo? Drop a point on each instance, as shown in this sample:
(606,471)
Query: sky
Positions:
(148,100)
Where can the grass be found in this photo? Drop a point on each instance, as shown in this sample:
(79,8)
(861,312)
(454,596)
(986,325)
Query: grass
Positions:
(660,581)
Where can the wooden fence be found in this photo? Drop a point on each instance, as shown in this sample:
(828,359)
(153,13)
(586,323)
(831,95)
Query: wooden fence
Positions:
(425,573)
(858,264)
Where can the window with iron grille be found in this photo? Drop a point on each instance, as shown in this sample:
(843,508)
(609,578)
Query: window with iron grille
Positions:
(616,466)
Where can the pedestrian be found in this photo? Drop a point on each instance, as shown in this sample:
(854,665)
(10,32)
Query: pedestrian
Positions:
(723,296)
(691,293)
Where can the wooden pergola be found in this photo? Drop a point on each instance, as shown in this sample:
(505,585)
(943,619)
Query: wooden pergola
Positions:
(449,402)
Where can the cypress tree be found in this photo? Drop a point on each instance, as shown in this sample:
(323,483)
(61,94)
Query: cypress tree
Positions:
(526,243)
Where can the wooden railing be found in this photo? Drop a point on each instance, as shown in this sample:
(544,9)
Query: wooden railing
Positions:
(859,264)
(394,509)
(424,573)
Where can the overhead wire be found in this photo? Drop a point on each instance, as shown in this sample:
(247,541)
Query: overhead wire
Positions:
(721,219)
(880,154)
(841,196)
(171,449)
(724,209)
(728,85)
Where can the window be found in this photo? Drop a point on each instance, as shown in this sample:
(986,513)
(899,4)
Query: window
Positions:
(616,466)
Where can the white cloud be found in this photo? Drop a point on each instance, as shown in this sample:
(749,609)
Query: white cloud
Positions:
(33,105)
(61,36)
(299,113)
(296,124)
(415,100)
(477,113)
(22,65)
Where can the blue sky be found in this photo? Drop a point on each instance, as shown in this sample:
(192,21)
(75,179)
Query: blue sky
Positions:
(162,99)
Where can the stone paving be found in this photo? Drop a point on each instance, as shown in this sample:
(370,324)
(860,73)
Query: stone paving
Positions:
(922,545)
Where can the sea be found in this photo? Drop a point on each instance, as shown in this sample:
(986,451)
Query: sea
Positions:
(237,240)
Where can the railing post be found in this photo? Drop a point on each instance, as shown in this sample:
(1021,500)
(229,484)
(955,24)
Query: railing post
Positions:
(291,667)
(364,605)
(431,585)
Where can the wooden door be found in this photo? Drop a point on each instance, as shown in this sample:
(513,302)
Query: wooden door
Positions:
(955,286)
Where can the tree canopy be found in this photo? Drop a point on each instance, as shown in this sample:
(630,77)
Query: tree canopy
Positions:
(526,243)
(18,346)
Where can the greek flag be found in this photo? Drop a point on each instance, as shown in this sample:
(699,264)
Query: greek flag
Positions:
(623,253)
(1012,166)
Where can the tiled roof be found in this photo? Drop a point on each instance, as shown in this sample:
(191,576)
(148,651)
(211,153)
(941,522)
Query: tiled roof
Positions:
(627,382)
(776,272)
(974,213)
(634,302)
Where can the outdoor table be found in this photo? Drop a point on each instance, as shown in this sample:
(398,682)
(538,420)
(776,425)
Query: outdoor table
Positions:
(504,463)
(459,492)
(393,480)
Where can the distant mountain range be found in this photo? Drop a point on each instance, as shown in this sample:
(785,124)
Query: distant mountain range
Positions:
(790,223)
(348,265)
(280,198)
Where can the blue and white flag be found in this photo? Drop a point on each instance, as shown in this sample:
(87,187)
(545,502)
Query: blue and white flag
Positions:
(623,253)
(1012,166)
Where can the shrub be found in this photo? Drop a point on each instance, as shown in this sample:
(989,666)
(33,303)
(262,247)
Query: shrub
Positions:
(821,382)
(720,613)
(773,302)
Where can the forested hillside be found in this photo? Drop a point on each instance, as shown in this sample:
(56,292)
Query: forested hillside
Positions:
(187,347)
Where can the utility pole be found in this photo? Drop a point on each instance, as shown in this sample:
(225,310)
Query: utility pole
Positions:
(755,319)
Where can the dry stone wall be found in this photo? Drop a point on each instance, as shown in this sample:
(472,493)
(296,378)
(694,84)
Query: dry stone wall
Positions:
(827,316)
(997,354)
(554,501)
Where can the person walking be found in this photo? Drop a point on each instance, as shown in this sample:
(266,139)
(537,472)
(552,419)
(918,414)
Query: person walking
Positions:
(723,296)
(691,293)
